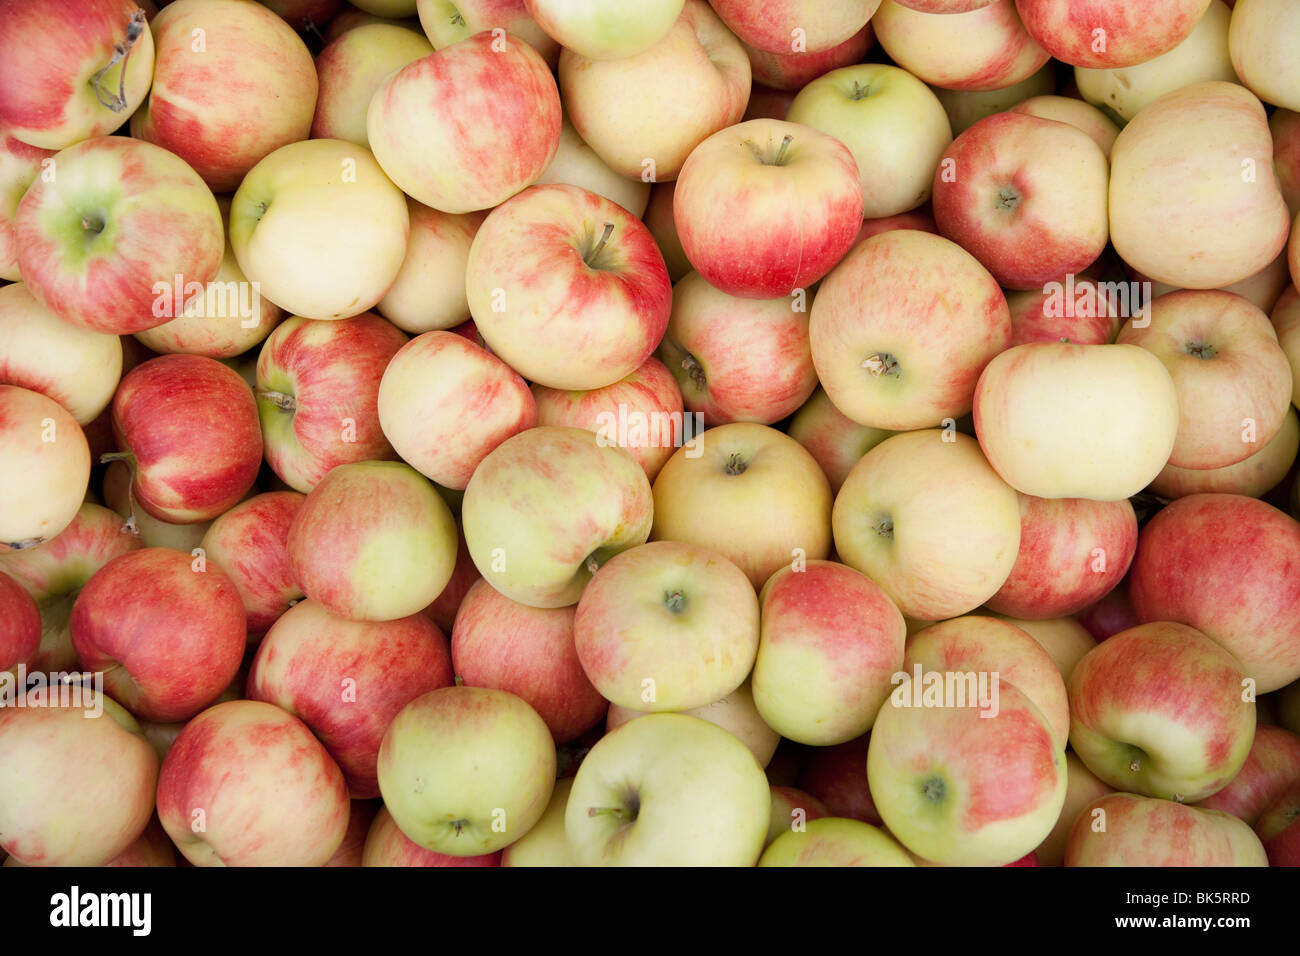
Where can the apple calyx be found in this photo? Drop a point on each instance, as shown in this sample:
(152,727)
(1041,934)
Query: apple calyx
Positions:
(736,465)
(93,224)
(591,257)
(880,364)
(1008,198)
(457,20)
(675,600)
(934,789)
(696,371)
(860,91)
(24,543)
(121,53)
(278,399)
(1201,350)
(884,527)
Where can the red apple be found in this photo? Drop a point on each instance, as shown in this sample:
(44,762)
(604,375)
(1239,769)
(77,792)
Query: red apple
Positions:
(1279,828)
(1124,829)
(837,776)
(1272,765)
(250,542)
(20,624)
(1109,34)
(788,70)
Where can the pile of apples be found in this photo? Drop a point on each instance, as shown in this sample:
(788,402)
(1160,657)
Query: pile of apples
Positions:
(543,432)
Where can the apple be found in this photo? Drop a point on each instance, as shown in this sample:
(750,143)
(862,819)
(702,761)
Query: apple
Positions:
(243,61)
(749,493)
(1084,116)
(386,845)
(44,468)
(1082,788)
(576,164)
(1222,564)
(1278,829)
(902,327)
(188,426)
(831,640)
(668,790)
(415,123)
(151,848)
(925,516)
(1285,128)
(1272,765)
(305,14)
(138,523)
(20,630)
(352,17)
(73,69)
(1125,829)
(835,841)
(77,778)
(1233,380)
(735,713)
(644,114)
(945,6)
(1201,56)
(298,219)
(959,786)
(549,506)
(1026,195)
(1286,322)
(832,438)
(985,48)
(658,218)
(837,777)
(1253,476)
(1159,710)
(246,784)
(372,542)
(893,125)
(346,680)
(1110,615)
(1075,309)
(641,413)
(445,403)
(107,237)
(1103,34)
(790,71)
(1054,419)
(1073,551)
(605,29)
(351,69)
(738,359)
(20,164)
(360,816)
(77,367)
(1262,39)
(1064,639)
(766,208)
(444,607)
(791,810)
(667,626)
(429,291)
(530,652)
(795,26)
(250,542)
(965,108)
(466,770)
(449,21)
(545,844)
(1208,140)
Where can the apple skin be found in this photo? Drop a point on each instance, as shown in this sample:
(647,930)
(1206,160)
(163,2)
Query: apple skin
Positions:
(1222,564)
(791,807)
(734,713)
(1058,570)
(73,791)
(1254,476)
(837,776)
(20,624)
(644,114)
(51,52)
(676,790)
(415,123)
(576,164)
(959,789)
(1279,830)
(835,841)
(829,644)
(152,848)
(304,14)
(902,327)
(444,607)
(1261,40)
(105,270)
(20,164)
(605,29)
(299,217)
(524,537)
(667,626)
(41,482)
(748,492)
(1028,199)
(189,424)
(1081,788)
(1065,640)
(986,48)
(1286,322)
(351,68)
(832,438)
(965,108)
(786,71)
(777,26)
(250,542)
(545,844)
(1075,112)
(1144,831)
(466,770)
(387,845)
(1228,368)
(250,63)
(360,817)
(737,359)
(658,218)
(1084,312)
(268,791)
(446,22)
(530,652)
(429,292)
(1090,386)
(169,637)
(767,207)
(373,541)
(1067,29)
(1284,125)
(1272,765)
(346,680)
(1159,220)
(893,125)
(444,404)
(318,384)
(648,395)
(929,521)
(1158,710)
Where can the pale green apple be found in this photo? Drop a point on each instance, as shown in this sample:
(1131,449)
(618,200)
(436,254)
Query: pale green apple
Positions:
(965,108)
(668,790)
(466,770)
(545,844)
(606,29)
(734,713)
(449,21)
(835,841)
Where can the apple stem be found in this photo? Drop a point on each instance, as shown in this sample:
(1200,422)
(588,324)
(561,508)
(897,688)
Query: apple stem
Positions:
(592,565)
(590,258)
(278,399)
(23,544)
(109,456)
(696,371)
(780,153)
(619,812)
(879,364)
(135,27)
